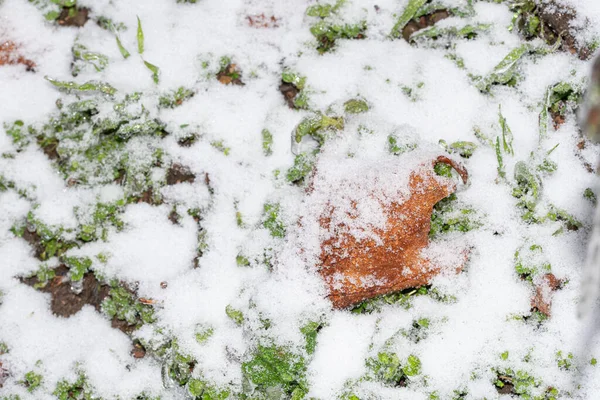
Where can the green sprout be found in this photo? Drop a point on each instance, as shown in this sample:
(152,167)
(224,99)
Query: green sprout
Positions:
(140,36)
(154,69)
(274,370)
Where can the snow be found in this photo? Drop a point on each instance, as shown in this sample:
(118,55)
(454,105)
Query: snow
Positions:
(190,270)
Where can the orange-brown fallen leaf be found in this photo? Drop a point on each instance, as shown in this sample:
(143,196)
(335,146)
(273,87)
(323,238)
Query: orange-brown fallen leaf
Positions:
(230,75)
(542,300)
(10,56)
(356,270)
(262,21)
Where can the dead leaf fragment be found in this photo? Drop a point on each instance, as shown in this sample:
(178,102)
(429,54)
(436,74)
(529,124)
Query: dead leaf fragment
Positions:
(262,21)
(10,56)
(230,74)
(542,300)
(356,270)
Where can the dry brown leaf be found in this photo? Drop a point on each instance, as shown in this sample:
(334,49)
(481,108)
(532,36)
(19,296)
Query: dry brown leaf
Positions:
(397,263)
(262,21)
(542,300)
(10,56)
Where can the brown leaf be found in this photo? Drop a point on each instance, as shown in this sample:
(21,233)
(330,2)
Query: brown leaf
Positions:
(262,21)
(358,270)
(10,56)
(542,300)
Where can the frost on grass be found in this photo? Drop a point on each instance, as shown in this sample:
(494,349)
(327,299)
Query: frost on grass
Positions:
(147,181)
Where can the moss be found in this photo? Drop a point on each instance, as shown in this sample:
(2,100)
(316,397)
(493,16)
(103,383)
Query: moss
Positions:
(18,134)
(201,390)
(78,266)
(564,362)
(304,164)
(32,381)
(123,305)
(443,169)
(272,221)
(402,298)
(388,369)
(267,142)
(398,146)
(275,369)
(449,216)
(78,390)
(203,333)
(530,262)
(219,145)
(235,315)
(327,34)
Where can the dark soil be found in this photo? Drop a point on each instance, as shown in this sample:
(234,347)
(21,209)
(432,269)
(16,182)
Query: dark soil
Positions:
(178,174)
(64,301)
(79,19)
(138,350)
(558,22)
(508,387)
(423,22)
(289,92)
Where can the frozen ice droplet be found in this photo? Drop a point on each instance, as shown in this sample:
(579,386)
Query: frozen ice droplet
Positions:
(77,286)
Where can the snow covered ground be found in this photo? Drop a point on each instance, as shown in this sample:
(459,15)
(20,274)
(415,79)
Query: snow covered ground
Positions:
(159,193)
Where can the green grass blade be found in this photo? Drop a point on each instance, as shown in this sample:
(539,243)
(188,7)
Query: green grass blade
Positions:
(155,70)
(140,37)
(122,49)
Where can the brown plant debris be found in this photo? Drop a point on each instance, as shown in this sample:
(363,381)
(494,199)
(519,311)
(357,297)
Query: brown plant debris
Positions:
(10,56)
(262,21)
(542,300)
(358,270)
(230,74)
